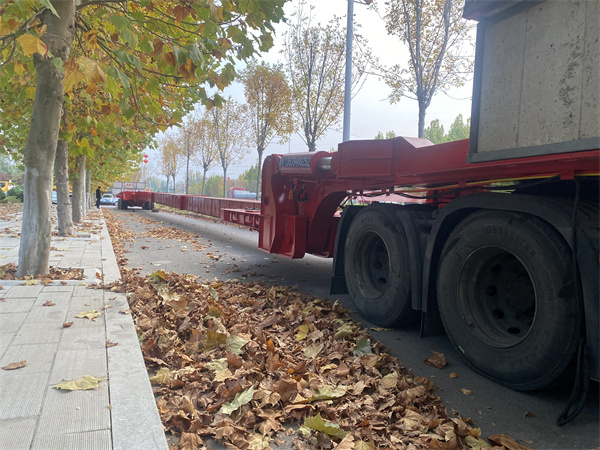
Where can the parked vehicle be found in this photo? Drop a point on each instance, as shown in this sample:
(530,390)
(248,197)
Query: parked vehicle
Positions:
(108,199)
(502,250)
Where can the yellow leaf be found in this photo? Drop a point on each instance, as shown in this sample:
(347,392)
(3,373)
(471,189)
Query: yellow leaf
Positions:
(20,68)
(88,314)
(302,332)
(466,391)
(72,78)
(32,44)
(163,376)
(92,71)
(85,383)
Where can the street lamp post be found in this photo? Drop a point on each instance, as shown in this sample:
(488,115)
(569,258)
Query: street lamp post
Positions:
(348,76)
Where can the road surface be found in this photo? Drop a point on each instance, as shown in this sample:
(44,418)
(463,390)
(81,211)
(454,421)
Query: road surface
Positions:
(227,251)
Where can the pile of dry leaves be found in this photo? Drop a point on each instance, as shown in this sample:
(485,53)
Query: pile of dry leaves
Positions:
(9,210)
(9,272)
(236,361)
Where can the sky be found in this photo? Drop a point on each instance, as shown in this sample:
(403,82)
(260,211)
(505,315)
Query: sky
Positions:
(371,111)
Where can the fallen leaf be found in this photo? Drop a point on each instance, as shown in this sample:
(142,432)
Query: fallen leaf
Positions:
(363,347)
(163,376)
(318,424)
(234,344)
(49,303)
(67,324)
(126,312)
(302,332)
(453,375)
(15,365)
(240,399)
(506,441)
(436,360)
(111,344)
(88,315)
(85,383)
(466,391)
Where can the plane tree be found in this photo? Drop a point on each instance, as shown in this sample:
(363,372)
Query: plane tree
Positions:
(156,57)
(269,100)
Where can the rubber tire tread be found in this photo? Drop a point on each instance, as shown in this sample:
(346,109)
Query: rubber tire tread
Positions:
(543,357)
(393,307)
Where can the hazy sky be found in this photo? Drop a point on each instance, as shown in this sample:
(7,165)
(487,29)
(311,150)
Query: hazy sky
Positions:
(371,111)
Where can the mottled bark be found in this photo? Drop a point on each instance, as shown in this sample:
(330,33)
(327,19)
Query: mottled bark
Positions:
(63,207)
(40,149)
(78,188)
(87,191)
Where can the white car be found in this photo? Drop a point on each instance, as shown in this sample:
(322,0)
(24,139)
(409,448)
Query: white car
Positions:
(108,199)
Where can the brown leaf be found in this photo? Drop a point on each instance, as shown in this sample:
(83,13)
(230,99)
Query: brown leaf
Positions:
(49,303)
(111,344)
(15,365)
(436,360)
(67,324)
(506,441)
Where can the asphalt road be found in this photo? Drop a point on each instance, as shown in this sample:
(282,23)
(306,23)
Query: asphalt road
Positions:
(231,252)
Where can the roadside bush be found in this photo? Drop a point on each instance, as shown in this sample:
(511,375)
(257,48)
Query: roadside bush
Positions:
(16,192)
(11,199)
(2,197)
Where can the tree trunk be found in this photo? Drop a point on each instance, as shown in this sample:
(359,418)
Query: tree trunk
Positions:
(224,182)
(87,193)
(422,111)
(203,181)
(63,207)
(168,184)
(78,184)
(259,171)
(40,149)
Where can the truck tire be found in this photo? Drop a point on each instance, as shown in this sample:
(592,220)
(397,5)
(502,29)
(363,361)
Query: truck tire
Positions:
(377,268)
(507,299)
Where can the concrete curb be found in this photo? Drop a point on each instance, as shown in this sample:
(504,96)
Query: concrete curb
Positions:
(135,420)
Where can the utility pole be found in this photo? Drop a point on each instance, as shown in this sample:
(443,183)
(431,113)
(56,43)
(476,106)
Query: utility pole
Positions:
(348,78)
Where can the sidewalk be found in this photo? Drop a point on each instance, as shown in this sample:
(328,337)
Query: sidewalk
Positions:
(121,414)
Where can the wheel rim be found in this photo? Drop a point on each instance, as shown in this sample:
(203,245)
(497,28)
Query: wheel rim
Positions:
(497,297)
(372,265)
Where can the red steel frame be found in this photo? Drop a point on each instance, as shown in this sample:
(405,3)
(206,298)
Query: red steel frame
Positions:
(300,198)
(302,192)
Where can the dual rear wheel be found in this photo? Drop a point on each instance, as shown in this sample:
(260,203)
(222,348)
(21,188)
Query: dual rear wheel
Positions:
(505,290)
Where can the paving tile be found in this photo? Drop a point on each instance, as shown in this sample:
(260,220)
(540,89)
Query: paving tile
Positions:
(21,394)
(17,434)
(93,440)
(85,322)
(11,322)
(59,297)
(84,291)
(75,411)
(30,333)
(15,305)
(5,339)
(58,288)
(78,337)
(24,291)
(48,314)
(73,364)
(39,357)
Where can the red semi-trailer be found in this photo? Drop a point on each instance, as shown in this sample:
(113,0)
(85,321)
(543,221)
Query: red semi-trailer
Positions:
(499,237)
